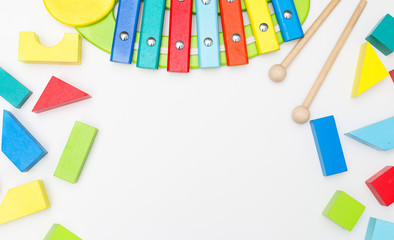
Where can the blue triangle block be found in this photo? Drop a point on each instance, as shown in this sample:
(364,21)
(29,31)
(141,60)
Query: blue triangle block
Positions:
(379,136)
(19,145)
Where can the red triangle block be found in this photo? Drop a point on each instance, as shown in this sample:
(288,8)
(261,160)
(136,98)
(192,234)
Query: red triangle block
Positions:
(57,94)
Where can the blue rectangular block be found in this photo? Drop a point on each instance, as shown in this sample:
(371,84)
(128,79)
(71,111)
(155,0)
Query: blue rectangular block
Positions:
(382,36)
(125,31)
(328,145)
(379,230)
(19,145)
(287,16)
(12,90)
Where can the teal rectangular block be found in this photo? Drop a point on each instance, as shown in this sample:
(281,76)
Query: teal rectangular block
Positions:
(379,230)
(12,90)
(382,36)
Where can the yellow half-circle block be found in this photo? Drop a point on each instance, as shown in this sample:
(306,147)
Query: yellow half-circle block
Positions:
(79,13)
(23,200)
(68,51)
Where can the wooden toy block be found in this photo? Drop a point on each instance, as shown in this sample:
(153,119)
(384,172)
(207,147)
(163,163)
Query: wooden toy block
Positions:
(23,200)
(125,31)
(208,34)
(379,136)
(233,32)
(344,210)
(19,145)
(289,23)
(79,13)
(12,90)
(382,186)
(379,230)
(57,94)
(68,51)
(392,75)
(382,35)
(151,33)
(58,232)
(75,153)
(262,26)
(179,36)
(328,145)
(370,70)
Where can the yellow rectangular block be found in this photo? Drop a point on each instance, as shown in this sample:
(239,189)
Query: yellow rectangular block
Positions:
(23,200)
(68,51)
(262,26)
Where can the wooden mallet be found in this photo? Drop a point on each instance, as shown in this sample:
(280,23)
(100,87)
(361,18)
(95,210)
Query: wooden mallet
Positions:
(278,72)
(301,113)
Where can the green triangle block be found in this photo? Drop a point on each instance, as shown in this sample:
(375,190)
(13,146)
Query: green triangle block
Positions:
(58,232)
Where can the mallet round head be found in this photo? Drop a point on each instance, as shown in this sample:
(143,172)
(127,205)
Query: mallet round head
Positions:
(300,114)
(277,73)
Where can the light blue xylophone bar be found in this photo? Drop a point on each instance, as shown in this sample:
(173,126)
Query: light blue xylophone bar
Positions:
(288,21)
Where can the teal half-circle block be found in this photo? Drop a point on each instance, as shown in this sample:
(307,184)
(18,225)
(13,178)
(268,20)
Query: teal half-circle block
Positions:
(58,232)
(23,150)
(379,136)
(379,230)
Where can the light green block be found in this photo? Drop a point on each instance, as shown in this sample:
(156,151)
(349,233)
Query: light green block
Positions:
(344,210)
(58,232)
(75,153)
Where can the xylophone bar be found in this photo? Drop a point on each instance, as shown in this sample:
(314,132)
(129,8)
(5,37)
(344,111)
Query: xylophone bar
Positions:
(288,20)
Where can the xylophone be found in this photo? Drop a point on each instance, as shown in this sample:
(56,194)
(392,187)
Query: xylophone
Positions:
(210,48)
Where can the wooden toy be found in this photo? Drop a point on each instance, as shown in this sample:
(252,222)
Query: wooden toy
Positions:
(57,94)
(151,31)
(382,36)
(79,13)
(58,232)
(382,185)
(370,70)
(301,113)
(233,32)
(68,51)
(288,20)
(23,200)
(392,75)
(23,150)
(278,72)
(262,26)
(328,146)
(379,136)
(344,210)
(12,90)
(208,34)
(75,153)
(379,230)
(179,36)
(125,31)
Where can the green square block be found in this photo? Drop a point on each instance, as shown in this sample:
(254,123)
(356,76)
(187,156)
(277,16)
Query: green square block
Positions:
(344,210)
(58,232)
(382,36)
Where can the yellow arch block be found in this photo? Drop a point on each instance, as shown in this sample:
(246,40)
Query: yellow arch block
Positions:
(68,51)
(370,70)
(23,200)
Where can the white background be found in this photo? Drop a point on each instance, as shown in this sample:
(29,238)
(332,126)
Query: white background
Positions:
(208,155)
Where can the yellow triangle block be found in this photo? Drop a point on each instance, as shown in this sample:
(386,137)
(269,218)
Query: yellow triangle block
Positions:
(23,200)
(370,70)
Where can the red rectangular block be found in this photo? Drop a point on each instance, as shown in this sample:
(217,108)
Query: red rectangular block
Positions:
(382,185)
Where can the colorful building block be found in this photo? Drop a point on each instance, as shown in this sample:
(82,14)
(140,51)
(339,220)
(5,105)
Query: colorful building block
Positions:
(19,145)
(379,136)
(58,232)
(382,186)
(68,51)
(370,70)
(79,13)
(23,200)
(382,35)
(328,145)
(12,90)
(288,21)
(57,94)
(379,230)
(344,210)
(392,75)
(75,153)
